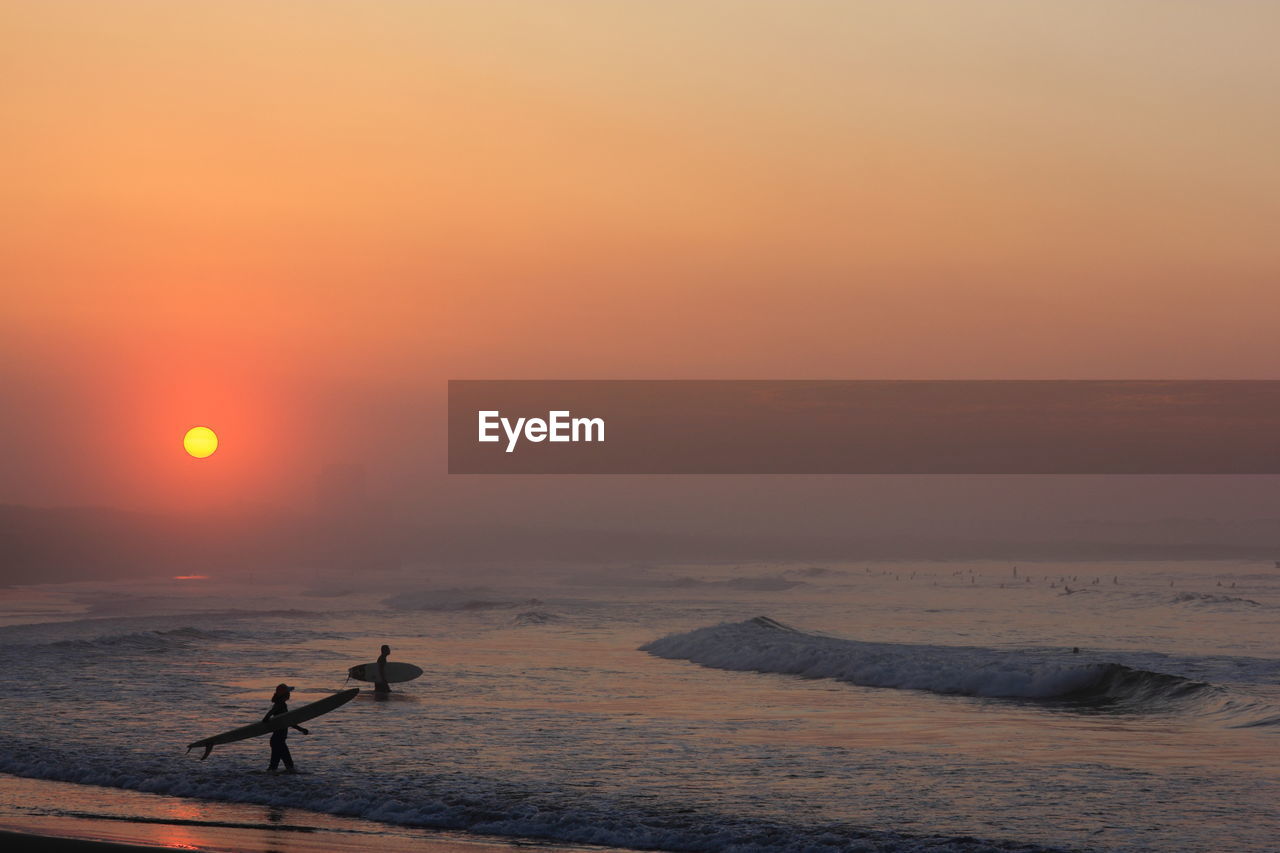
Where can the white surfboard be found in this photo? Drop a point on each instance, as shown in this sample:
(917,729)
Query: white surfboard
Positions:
(297,715)
(395,672)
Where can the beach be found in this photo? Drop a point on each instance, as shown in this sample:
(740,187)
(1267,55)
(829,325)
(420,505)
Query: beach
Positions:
(896,706)
(91,818)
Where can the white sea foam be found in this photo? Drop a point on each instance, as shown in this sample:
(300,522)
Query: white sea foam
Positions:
(485,807)
(765,645)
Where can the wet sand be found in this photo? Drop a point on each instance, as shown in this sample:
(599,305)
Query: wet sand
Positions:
(51,844)
(53,817)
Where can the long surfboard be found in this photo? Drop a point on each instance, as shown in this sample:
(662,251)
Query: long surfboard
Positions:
(394,670)
(297,715)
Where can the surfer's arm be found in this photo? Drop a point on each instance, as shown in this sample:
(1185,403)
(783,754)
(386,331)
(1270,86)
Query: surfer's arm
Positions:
(301,729)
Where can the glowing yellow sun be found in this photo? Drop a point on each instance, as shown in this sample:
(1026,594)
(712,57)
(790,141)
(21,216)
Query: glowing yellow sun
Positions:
(200,442)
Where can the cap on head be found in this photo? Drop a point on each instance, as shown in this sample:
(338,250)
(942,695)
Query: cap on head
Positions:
(386,650)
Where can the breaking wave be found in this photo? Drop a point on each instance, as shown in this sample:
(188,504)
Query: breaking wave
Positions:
(139,641)
(1209,598)
(457,599)
(765,645)
(535,617)
(485,807)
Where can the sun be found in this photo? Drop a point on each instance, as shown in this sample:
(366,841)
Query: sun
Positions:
(200,441)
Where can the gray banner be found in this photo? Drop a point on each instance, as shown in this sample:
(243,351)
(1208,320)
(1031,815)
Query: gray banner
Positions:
(863,427)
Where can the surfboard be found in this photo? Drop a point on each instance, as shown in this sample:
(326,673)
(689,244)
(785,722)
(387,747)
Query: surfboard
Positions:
(297,715)
(394,670)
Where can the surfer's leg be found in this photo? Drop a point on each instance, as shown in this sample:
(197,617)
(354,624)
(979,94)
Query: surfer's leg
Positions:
(381,687)
(284,754)
(279,750)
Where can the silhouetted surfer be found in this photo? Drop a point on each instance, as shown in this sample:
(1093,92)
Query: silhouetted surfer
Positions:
(381,686)
(279,738)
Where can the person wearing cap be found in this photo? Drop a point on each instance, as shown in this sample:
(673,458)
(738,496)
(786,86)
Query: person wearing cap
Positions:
(279,738)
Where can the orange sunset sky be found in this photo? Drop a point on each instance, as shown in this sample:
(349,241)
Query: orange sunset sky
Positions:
(293,221)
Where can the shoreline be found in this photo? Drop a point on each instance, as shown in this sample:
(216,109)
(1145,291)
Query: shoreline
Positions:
(97,819)
(65,844)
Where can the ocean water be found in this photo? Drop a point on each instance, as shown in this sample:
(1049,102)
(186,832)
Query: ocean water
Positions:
(892,706)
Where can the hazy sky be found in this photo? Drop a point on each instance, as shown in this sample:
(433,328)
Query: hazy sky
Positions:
(293,221)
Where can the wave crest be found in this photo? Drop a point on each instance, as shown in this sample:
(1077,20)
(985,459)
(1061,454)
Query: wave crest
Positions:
(766,645)
(1209,598)
(141,641)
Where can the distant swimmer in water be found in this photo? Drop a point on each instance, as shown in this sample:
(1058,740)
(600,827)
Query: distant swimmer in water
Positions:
(381,685)
(279,738)
(1075,650)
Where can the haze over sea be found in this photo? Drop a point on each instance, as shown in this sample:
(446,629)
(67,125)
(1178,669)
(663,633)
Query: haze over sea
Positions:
(888,706)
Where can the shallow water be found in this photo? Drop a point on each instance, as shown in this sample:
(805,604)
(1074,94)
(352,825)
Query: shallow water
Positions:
(913,706)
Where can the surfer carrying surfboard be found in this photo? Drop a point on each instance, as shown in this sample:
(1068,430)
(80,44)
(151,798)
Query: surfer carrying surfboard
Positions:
(279,738)
(381,685)
(383,673)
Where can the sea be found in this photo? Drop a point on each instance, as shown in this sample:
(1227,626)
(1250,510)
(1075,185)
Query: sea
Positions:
(903,706)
